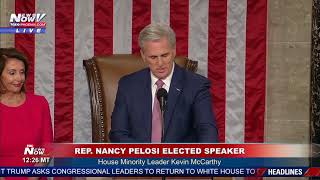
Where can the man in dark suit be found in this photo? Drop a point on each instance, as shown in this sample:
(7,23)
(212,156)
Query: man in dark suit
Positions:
(188,116)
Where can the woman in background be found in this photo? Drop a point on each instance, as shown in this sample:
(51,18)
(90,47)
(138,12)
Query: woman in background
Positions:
(24,117)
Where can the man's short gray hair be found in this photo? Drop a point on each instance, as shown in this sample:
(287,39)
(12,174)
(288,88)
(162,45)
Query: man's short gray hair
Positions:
(154,32)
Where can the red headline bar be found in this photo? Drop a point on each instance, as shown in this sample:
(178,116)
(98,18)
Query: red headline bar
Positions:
(179,150)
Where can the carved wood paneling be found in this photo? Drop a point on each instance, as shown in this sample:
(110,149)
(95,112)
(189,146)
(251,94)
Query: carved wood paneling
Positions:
(6,8)
(315,84)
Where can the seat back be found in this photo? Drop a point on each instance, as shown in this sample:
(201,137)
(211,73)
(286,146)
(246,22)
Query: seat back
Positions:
(103,74)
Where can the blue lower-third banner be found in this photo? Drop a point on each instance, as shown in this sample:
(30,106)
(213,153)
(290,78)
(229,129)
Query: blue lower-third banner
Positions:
(149,172)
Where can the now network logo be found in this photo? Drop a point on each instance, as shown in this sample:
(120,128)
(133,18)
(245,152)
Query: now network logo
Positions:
(22,17)
(25,23)
(31,150)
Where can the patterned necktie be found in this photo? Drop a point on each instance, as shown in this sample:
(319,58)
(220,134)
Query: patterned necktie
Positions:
(156,117)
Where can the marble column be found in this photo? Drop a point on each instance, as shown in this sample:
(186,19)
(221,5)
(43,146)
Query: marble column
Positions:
(315,84)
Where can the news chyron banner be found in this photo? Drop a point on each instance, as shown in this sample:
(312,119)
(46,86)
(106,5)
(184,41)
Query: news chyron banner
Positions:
(161,160)
(25,23)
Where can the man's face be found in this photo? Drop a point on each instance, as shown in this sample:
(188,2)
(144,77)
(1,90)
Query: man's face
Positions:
(159,56)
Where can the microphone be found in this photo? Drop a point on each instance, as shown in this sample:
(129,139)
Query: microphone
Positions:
(162,96)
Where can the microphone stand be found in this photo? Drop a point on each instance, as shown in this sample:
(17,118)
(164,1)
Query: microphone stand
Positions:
(162,96)
(162,126)
(162,110)
(163,104)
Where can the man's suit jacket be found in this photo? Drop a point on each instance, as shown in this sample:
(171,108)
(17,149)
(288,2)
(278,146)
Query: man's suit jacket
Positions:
(188,118)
